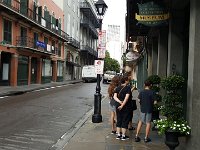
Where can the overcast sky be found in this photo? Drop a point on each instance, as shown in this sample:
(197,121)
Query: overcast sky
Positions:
(115,15)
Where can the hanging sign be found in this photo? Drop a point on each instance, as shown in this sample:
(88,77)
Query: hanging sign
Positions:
(102,52)
(99,64)
(151,14)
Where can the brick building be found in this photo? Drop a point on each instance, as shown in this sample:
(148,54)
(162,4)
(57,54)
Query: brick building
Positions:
(31,42)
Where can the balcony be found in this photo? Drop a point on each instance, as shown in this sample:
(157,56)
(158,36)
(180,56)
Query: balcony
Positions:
(89,12)
(73,42)
(36,46)
(87,24)
(88,49)
(29,16)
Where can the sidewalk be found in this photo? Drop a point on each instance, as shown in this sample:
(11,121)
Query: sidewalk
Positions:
(96,136)
(9,90)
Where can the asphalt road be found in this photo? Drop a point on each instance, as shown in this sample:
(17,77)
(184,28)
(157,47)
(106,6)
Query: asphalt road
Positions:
(39,120)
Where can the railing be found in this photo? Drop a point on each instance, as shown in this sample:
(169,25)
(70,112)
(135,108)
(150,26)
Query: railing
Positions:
(86,5)
(73,42)
(89,49)
(28,42)
(91,27)
(30,14)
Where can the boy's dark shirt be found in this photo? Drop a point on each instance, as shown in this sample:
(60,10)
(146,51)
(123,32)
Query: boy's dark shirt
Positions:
(146,100)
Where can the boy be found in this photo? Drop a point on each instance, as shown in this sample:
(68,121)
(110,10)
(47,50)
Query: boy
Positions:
(146,99)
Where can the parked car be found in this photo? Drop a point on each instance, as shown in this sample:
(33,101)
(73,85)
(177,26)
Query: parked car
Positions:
(88,73)
(108,75)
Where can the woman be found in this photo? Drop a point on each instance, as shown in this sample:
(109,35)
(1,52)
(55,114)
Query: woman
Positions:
(122,95)
(114,83)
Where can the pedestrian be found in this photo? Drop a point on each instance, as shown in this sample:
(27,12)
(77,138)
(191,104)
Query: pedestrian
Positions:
(121,96)
(146,100)
(113,84)
(135,94)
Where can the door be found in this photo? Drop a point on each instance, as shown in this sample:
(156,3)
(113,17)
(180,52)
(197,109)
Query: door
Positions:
(5,62)
(22,72)
(33,70)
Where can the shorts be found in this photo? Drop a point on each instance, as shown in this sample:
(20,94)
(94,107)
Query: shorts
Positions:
(145,117)
(112,108)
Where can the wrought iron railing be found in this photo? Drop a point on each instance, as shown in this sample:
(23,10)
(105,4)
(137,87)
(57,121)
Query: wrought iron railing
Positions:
(14,5)
(90,25)
(88,49)
(30,43)
(73,42)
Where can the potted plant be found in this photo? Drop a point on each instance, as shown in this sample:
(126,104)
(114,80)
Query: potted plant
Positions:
(155,86)
(174,124)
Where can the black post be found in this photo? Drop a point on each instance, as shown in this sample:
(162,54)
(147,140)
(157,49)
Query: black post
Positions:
(97,117)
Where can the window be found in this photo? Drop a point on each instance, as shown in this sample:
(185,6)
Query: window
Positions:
(46,67)
(53,47)
(59,49)
(46,40)
(35,39)
(7,31)
(60,69)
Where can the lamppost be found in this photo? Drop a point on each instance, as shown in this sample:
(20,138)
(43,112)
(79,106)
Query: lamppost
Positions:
(97,117)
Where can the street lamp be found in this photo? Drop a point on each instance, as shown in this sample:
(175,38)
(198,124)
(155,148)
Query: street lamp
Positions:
(97,117)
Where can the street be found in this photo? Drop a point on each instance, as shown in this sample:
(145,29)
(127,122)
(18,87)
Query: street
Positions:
(37,120)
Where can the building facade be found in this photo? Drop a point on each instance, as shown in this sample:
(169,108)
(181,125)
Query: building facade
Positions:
(31,42)
(88,32)
(172,48)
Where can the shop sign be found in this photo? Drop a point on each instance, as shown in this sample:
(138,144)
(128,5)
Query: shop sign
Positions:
(131,56)
(41,44)
(151,14)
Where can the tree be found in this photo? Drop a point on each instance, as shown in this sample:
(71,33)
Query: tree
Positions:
(110,63)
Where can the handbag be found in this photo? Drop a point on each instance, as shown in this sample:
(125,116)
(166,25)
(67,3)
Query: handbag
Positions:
(112,102)
(133,104)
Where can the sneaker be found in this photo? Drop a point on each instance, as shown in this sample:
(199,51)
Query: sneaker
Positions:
(137,139)
(123,138)
(118,137)
(113,132)
(146,140)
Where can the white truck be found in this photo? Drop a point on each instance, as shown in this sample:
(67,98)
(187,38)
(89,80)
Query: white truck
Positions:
(88,73)
(108,75)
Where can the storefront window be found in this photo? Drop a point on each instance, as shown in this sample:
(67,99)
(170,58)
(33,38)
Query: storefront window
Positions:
(46,67)
(60,69)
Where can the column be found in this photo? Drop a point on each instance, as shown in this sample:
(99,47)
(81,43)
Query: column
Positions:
(54,70)
(13,70)
(193,89)
(175,44)
(39,70)
(162,53)
(29,70)
(154,56)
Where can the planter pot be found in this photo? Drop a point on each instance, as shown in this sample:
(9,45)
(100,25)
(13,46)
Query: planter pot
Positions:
(171,139)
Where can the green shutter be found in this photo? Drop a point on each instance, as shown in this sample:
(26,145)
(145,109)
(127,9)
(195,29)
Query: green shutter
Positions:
(39,14)
(24,7)
(8,2)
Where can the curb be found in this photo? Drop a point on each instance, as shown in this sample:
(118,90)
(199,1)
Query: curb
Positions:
(64,140)
(43,86)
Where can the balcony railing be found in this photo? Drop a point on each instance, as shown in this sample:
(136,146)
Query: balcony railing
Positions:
(73,42)
(85,6)
(90,26)
(30,43)
(88,49)
(14,5)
